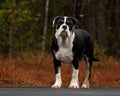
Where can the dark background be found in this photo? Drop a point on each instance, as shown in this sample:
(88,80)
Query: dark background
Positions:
(25,25)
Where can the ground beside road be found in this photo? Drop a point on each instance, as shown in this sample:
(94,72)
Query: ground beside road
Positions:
(38,71)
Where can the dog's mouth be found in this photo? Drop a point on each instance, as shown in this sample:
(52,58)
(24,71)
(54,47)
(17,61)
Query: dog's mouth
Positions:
(63,35)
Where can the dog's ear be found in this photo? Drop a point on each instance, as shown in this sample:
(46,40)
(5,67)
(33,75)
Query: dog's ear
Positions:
(76,22)
(55,20)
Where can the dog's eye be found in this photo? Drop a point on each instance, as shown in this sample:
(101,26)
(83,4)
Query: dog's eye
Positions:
(68,22)
(62,21)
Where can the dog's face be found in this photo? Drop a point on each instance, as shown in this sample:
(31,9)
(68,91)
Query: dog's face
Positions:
(64,26)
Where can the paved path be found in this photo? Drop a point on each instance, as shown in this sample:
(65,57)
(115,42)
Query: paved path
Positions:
(59,92)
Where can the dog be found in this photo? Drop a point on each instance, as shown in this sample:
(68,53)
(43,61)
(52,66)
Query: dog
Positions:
(69,45)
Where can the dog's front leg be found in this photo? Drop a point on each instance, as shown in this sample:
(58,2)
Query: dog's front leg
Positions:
(58,81)
(74,81)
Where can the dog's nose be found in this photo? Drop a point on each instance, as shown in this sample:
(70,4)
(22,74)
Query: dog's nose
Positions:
(64,27)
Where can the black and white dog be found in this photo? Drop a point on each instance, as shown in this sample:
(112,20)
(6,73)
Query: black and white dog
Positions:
(69,45)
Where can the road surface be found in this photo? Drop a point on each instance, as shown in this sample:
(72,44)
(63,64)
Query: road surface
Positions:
(59,92)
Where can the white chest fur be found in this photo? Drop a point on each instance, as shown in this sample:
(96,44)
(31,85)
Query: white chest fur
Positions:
(65,53)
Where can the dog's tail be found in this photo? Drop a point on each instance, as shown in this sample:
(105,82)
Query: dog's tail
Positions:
(95,59)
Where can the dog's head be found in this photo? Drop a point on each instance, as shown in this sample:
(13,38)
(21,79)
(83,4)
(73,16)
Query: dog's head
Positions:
(65,26)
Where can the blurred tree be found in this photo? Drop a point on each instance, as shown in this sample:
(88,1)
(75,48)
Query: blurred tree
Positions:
(25,28)
(113,22)
(45,25)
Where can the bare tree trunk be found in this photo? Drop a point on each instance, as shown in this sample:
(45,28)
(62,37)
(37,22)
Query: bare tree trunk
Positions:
(96,21)
(70,6)
(10,53)
(45,25)
(10,40)
(117,19)
(117,29)
(100,28)
(91,19)
(78,4)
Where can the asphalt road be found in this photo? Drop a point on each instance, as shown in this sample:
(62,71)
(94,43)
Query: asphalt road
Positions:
(59,92)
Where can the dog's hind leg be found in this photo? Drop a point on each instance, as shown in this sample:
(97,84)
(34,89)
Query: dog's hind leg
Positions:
(58,81)
(86,83)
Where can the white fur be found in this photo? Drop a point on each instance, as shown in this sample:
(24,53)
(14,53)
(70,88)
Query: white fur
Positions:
(74,80)
(58,81)
(65,49)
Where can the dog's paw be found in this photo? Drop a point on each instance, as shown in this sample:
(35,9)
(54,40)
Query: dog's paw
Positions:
(85,86)
(56,85)
(75,85)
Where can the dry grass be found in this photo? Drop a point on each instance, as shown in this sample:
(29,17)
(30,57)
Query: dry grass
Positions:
(37,71)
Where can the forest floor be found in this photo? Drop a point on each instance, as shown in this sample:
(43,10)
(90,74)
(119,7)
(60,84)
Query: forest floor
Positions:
(38,71)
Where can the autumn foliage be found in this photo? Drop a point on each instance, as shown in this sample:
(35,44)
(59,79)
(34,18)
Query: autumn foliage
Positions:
(38,71)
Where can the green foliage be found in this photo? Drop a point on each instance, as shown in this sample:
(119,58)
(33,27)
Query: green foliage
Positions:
(18,28)
(98,52)
(22,23)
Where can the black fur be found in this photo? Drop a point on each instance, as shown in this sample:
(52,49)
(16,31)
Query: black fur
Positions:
(83,44)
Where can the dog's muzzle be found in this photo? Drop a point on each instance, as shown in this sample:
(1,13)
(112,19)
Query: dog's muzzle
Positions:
(63,34)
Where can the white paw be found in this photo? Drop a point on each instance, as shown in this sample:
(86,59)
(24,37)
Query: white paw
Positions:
(74,85)
(85,86)
(56,85)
